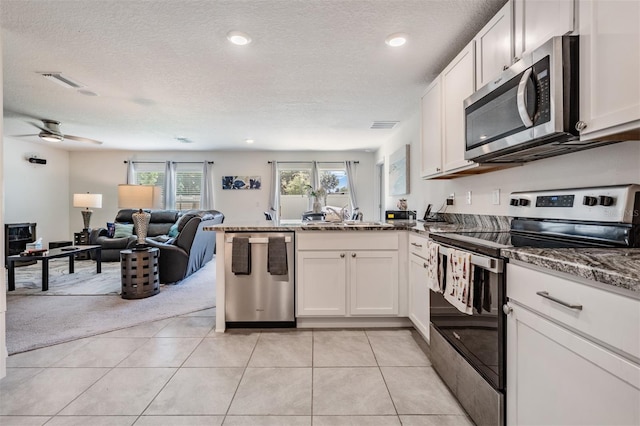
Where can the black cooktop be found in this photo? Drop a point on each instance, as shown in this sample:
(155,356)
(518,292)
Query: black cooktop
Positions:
(491,242)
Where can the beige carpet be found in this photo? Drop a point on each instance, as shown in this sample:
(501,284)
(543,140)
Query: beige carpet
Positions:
(34,321)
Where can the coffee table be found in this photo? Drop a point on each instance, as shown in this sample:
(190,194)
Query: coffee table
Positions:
(55,253)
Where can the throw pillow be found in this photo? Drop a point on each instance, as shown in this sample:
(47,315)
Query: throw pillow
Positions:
(123,230)
(173,231)
(111,229)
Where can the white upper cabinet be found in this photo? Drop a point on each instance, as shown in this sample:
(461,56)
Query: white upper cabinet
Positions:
(609,68)
(494,46)
(431,110)
(458,83)
(536,21)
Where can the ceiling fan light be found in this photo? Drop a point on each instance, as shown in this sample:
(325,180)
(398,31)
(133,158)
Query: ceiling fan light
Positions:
(50,137)
(238,38)
(396,40)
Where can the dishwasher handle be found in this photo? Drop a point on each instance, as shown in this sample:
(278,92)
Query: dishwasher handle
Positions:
(258,240)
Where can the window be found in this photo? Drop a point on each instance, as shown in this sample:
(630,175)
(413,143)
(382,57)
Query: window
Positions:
(188,186)
(295,178)
(188,181)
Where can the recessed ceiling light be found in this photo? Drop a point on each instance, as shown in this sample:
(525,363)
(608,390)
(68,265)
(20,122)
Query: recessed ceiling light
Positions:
(396,40)
(249,141)
(238,37)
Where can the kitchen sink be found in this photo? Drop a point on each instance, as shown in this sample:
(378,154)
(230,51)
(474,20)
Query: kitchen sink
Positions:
(347,224)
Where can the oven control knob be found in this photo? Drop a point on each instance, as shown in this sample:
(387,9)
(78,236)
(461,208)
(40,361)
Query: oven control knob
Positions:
(514,202)
(605,200)
(589,201)
(523,202)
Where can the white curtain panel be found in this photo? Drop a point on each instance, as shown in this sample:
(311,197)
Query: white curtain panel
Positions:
(170,185)
(131,173)
(350,168)
(206,194)
(274,194)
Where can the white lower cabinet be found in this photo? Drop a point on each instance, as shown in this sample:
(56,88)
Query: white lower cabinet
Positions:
(419,295)
(337,276)
(322,279)
(557,376)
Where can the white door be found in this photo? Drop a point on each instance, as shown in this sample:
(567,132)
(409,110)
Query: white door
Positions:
(536,21)
(419,295)
(609,66)
(380,190)
(556,377)
(431,130)
(458,83)
(321,283)
(373,282)
(494,46)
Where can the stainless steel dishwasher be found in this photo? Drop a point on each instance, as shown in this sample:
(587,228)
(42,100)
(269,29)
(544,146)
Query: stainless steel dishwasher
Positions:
(259,299)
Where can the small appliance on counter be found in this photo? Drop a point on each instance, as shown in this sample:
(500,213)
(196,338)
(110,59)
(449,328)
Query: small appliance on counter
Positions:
(400,215)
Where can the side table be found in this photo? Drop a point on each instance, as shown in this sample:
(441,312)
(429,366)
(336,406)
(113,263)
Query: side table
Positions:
(82,239)
(140,275)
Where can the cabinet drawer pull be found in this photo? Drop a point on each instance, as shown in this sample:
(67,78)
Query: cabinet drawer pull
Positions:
(416,245)
(353,255)
(341,254)
(546,295)
(424,265)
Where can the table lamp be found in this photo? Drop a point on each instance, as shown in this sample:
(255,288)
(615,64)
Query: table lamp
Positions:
(87,201)
(140,197)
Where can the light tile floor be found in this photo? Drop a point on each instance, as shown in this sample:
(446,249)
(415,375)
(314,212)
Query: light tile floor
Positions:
(180,372)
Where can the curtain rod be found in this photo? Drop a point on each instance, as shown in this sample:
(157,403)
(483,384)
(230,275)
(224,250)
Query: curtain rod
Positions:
(293,162)
(163,162)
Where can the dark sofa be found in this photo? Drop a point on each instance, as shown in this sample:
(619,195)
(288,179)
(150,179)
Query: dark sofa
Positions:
(191,249)
(181,256)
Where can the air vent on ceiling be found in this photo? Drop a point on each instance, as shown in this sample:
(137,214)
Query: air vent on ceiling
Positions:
(62,80)
(384,125)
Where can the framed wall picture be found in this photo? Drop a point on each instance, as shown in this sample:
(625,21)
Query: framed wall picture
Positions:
(241,182)
(399,171)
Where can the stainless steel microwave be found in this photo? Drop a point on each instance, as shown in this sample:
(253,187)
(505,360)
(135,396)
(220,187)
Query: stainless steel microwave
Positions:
(530,111)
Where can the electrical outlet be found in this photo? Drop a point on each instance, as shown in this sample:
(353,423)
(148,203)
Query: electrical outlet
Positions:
(468,197)
(450,199)
(495,197)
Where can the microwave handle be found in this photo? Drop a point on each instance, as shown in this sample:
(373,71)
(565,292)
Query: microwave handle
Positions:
(520,98)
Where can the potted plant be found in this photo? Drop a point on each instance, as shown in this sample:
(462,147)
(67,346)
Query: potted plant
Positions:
(317,194)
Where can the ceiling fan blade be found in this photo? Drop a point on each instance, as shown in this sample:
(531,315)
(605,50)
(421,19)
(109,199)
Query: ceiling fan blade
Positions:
(39,127)
(24,136)
(81,139)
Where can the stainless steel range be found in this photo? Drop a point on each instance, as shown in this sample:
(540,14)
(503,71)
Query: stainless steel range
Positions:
(468,350)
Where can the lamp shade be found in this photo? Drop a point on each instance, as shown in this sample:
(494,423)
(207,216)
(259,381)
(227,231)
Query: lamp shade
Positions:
(87,200)
(139,197)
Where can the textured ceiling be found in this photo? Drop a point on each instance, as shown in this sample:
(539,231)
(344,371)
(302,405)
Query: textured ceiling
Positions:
(315,77)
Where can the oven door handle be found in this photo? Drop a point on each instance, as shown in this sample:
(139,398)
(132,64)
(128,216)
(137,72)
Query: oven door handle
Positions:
(489,263)
(521,99)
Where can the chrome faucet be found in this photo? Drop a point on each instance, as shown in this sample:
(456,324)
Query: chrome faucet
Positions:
(356,214)
(341,214)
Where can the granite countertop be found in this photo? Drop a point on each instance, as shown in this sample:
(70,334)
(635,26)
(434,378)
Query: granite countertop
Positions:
(618,267)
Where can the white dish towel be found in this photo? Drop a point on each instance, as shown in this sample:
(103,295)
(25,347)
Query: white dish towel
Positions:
(459,288)
(434,270)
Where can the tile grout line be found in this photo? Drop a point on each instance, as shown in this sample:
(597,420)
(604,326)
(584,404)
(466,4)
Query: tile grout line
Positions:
(172,376)
(244,370)
(384,380)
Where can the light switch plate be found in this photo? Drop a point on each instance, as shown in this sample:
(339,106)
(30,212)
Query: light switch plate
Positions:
(495,197)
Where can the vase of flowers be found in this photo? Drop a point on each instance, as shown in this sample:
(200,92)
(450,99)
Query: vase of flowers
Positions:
(317,194)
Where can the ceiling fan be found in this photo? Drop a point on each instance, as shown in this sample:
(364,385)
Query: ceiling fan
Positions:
(50,132)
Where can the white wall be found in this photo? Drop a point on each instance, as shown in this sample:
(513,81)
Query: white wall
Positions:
(3,296)
(101,172)
(37,192)
(607,165)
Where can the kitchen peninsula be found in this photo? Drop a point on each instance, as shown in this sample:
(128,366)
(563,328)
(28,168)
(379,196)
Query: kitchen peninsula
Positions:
(346,274)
